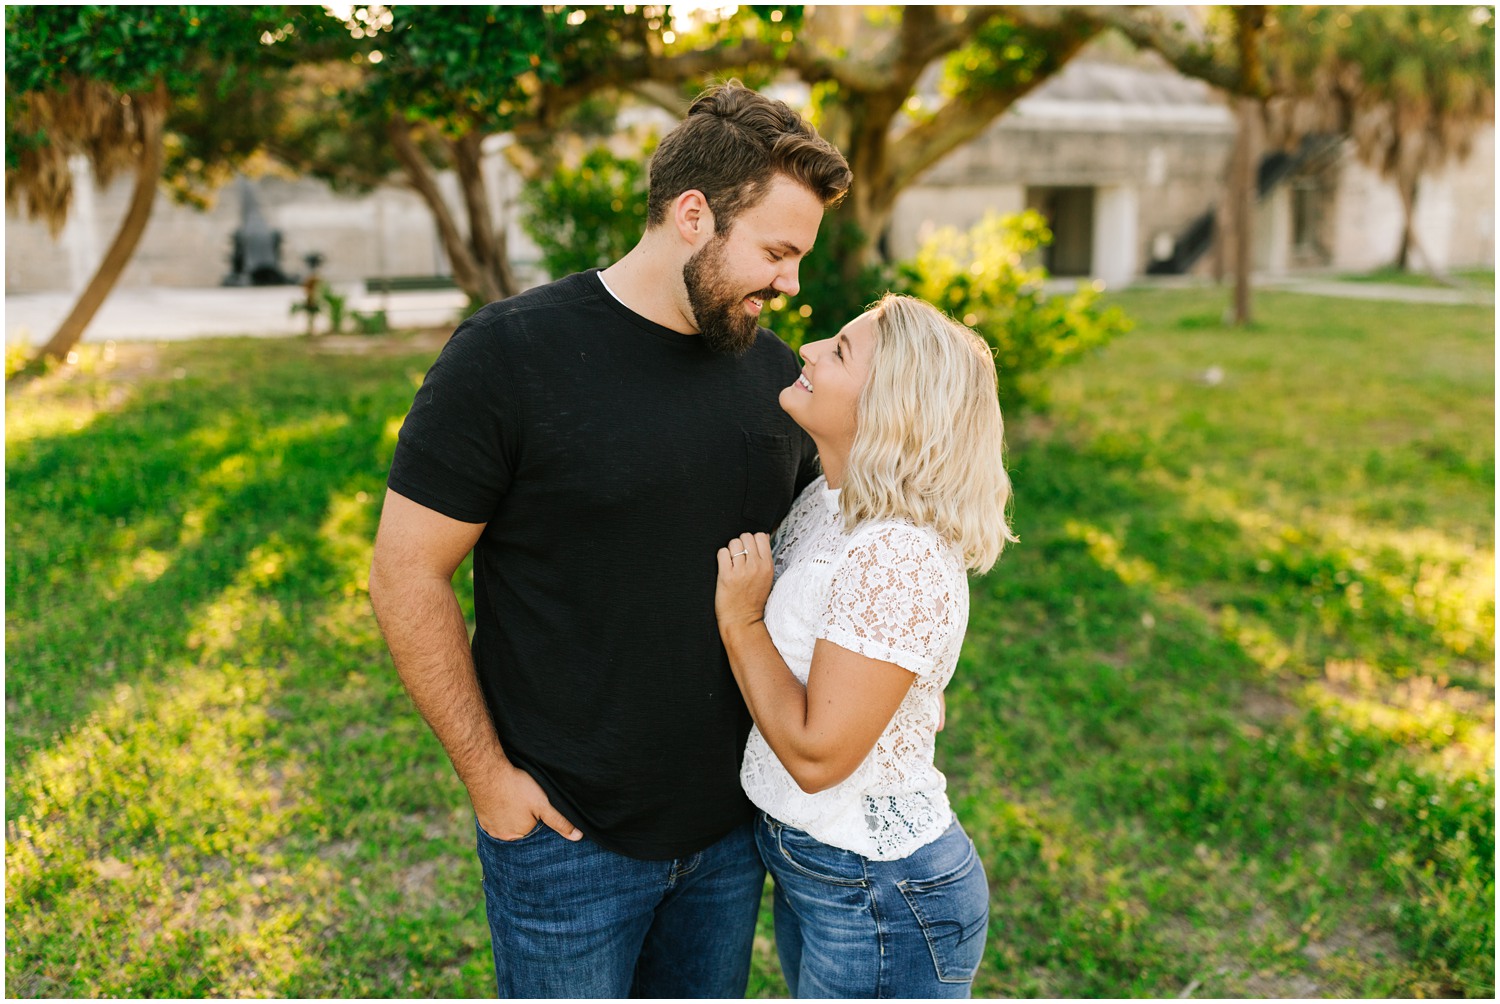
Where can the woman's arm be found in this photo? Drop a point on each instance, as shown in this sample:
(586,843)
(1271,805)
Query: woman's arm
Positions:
(820,733)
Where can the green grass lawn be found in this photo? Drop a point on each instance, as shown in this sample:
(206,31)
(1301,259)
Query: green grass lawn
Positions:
(1224,723)
(1462,278)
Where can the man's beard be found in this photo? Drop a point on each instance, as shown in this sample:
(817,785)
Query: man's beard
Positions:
(718,310)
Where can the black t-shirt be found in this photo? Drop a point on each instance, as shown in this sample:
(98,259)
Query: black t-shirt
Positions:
(610,458)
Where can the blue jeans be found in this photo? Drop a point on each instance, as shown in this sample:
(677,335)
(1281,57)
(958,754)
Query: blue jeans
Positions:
(575,920)
(847,926)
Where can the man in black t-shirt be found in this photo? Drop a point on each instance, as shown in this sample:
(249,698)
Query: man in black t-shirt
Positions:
(593,442)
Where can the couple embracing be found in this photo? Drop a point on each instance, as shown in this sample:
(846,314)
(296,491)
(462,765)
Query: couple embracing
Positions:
(717,597)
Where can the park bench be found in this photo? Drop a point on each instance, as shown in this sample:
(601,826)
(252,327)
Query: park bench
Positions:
(408,283)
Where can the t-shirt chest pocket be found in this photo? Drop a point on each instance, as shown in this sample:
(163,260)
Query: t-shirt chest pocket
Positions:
(770,479)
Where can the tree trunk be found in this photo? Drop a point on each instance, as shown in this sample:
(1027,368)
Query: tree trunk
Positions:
(485,239)
(1406,187)
(872,217)
(466,271)
(1250,113)
(863,127)
(153,111)
(1242,188)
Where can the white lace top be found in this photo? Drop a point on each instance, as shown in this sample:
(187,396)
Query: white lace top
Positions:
(891,591)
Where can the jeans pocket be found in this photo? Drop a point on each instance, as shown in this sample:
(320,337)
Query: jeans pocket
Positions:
(485,834)
(953,911)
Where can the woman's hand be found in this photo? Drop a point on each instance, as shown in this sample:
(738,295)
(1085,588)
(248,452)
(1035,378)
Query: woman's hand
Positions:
(745,573)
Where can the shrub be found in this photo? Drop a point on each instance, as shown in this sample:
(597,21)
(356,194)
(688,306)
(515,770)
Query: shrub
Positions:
(986,279)
(587,216)
(17,355)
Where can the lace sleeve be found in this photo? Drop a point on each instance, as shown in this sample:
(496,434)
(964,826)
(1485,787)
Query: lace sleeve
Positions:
(893,597)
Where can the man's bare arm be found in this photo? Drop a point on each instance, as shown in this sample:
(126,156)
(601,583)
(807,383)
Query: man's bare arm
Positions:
(411,589)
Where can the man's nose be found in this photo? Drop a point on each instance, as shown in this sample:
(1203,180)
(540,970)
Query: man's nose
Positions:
(786,281)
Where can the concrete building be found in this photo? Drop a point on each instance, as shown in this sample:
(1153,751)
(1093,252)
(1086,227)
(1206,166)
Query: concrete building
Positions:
(1124,160)
(388,232)
(1118,159)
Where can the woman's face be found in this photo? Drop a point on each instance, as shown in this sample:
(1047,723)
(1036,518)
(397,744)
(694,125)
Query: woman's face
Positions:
(825,398)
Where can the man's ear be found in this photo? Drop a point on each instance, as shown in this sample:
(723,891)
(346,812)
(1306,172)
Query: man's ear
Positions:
(694,220)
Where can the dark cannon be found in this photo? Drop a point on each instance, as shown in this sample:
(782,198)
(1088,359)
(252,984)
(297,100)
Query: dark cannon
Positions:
(256,258)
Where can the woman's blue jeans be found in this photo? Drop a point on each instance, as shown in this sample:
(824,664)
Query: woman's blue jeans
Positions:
(575,920)
(847,926)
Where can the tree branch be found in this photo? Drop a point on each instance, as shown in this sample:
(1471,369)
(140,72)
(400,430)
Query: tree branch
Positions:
(1166,31)
(926,32)
(626,70)
(961,119)
(929,32)
(662,96)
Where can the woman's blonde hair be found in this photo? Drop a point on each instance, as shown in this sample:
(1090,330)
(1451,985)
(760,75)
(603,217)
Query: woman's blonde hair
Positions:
(927,445)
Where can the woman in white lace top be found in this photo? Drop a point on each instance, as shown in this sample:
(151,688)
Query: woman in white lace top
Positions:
(879,892)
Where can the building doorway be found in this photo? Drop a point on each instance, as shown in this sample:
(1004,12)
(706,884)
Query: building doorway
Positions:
(1070,217)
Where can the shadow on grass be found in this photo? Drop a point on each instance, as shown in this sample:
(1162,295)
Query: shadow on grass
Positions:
(212,766)
(134,525)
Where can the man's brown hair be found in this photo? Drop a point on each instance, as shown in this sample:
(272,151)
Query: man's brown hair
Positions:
(730,147)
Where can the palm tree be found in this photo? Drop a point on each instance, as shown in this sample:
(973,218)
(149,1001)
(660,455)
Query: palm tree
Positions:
(1411,86)
(117,133)
(109,83)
